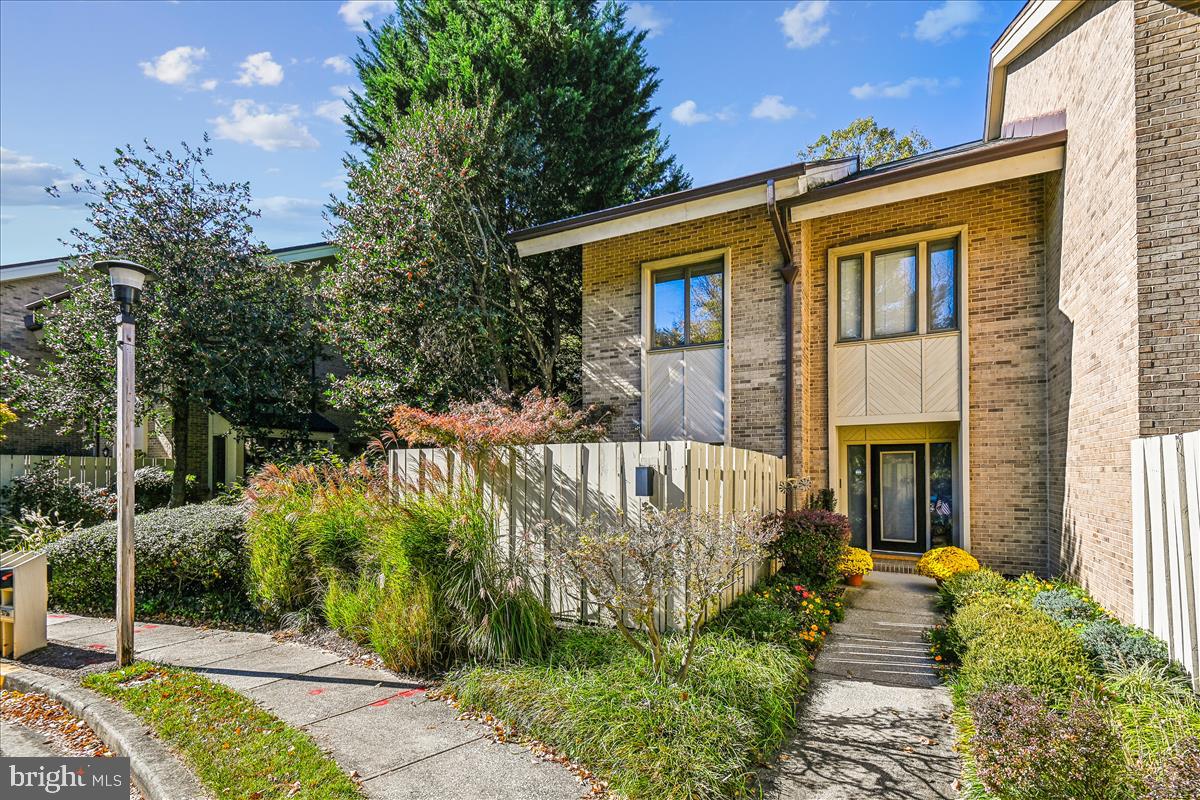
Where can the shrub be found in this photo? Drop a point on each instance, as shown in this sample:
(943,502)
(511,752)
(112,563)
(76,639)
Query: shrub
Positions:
(1112,644)
(151,488)
(1176,777)
(40,489)
(191,563)
(965,587)
(810,544)
(942,563)
(1024,749)
(1007,642)
(855,561)
(784,614)
(1155,708)
(1065,607)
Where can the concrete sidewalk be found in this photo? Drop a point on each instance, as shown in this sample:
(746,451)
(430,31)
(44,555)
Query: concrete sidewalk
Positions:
(401,744)
(877,719)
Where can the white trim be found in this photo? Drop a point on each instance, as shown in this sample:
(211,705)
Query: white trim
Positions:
(1033,22)
(648,268)
(1003,169)
(313,253)
(682,212)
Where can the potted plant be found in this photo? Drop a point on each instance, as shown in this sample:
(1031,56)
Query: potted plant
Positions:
(854,564)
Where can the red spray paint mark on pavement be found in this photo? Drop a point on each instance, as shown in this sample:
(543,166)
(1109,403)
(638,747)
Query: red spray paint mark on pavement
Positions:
(59,616)
(99,647)
(397,696)
(316,691)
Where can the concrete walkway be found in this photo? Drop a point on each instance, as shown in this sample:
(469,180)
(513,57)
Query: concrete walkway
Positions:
(877,720)
(382,727)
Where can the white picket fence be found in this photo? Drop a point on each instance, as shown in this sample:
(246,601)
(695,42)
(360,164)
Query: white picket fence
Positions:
(1166,543)
(92,470)
(561,484)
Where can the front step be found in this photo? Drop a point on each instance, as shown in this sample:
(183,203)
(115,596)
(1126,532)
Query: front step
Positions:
(887,562)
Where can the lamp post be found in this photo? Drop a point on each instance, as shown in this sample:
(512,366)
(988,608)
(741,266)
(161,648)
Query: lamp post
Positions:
(127,279)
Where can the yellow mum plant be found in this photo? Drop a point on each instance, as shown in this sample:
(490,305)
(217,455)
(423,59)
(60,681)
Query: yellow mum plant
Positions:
(855,561)
(942,563)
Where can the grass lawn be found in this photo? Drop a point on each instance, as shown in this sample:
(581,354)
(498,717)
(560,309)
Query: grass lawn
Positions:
(594,698)
(237,749)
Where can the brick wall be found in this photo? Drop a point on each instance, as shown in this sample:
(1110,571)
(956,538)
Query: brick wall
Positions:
(1167,87)
(1085,67)
(612,321)
(16,339)
(1005,303)
(1007,370)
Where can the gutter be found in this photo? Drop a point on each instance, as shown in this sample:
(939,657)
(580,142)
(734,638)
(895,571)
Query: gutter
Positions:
(788,273)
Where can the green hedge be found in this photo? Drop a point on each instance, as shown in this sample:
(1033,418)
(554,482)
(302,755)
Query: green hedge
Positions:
(190,563)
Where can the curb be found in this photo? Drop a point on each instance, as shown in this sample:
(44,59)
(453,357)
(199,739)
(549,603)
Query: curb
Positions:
(158,771)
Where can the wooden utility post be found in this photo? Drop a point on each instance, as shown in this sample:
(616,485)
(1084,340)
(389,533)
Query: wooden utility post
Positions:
(125,411)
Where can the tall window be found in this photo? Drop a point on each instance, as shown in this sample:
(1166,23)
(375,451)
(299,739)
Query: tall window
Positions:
(850,298)
(943,285)
(880,292)
(688,306)
(894,297)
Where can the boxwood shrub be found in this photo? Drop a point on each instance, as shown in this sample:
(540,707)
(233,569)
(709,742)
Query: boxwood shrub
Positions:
(190,563)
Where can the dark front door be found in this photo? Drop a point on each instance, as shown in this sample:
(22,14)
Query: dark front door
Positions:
(898,497)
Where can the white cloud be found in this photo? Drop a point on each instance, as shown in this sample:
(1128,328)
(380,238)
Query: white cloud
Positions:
(686,114)
(334,110)
(175,66)
(803,24)
(899,91)
(23,181)
(337,182)
(284,206)
(356,12)
(947,21)
(339,64)
(209,84)
(253,123)
(260,69)
(773,108)
(644,16)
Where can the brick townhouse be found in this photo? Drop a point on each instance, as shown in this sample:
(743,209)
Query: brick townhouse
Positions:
(961,344)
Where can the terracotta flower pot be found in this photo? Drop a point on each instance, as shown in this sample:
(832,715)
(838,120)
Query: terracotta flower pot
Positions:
(854,580)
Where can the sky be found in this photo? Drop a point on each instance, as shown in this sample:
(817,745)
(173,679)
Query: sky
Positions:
(745,87)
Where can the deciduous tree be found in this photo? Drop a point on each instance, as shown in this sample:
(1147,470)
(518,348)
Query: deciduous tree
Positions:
(226,327)
(865,138)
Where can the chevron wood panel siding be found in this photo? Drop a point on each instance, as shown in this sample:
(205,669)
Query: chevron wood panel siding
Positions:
(894,378)
(704,394)
(664,384)
(850,376)
(940,374)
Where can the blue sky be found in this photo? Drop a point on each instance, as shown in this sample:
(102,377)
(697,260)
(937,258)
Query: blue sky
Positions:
(744,87)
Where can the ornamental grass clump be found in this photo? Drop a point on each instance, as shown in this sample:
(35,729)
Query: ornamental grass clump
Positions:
(943,563)
(1026,749)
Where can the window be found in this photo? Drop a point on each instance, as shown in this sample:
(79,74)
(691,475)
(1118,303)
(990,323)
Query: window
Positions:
(856,471)
(850,299)
(943,285)
(894,297)
(688,306)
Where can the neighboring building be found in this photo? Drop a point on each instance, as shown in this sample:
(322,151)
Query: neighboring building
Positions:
(961,344)
(216,455)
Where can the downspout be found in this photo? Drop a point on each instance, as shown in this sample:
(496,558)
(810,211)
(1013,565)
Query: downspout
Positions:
(788,273)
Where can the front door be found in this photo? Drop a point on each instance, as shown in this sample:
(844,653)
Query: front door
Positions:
(898,497)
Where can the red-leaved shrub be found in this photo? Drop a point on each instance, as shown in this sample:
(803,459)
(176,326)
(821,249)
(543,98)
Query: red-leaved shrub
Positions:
(811,542)
(1026,750)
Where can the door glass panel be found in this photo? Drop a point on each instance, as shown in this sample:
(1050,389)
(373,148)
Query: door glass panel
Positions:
(895,294)
(850,301)
(668,306)
(943,308)
(898,497)
(856,493)
(941,494)
(707,307)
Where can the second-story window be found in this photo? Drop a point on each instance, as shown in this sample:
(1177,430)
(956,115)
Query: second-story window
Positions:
(898,292)
(894,292)
(688,306)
